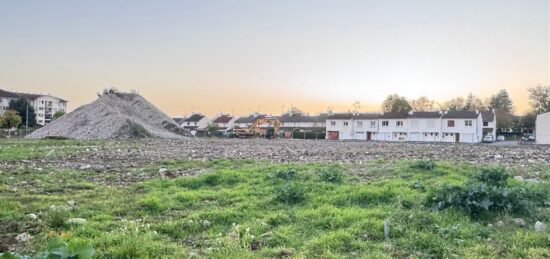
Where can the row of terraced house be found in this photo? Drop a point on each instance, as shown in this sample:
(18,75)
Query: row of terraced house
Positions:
(437,126)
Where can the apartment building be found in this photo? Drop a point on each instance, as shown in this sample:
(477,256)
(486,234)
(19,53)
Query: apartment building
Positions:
(45,106)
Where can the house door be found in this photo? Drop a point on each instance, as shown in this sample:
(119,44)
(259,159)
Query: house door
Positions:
(333,135)
(369,137)
(457,137)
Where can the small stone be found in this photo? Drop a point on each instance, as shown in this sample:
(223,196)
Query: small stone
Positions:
(500,223)
(32,216)
(540,227)
(490,225)
(518,177)
(162,170)
(206,223)
(23,237)
(71,203)
(84,167)
(76,221)
(520,222)
(498,156)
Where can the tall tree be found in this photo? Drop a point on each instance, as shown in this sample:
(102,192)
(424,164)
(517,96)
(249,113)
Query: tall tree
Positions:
(10,119)
(474,103)
(396,103)
(455,104)
(422,104)
(501,102)
(528,120)
(539,98)
(20,106)
(504,121)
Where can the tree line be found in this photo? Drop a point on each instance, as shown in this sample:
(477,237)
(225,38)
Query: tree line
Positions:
(501,102)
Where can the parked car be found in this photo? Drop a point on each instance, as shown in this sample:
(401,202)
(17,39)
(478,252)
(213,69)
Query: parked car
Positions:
(488,139)
(501,138)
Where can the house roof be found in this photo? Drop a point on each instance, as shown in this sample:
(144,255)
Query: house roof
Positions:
(393,115)
(223,119)
(194,117)
(341,116)
(367,116)
(8,94)
(179,120)
(425,115)
(488,116)
(460,115)
(250,119)
(302,118)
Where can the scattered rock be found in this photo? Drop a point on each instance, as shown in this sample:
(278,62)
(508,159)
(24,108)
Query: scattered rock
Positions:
(84,167)
(32,216)
(540,227)
(498,156)
(162,170)
(520,222)
(206,223)
(76,221)
(519,178)
(23,237)
(71,203)
(500,223)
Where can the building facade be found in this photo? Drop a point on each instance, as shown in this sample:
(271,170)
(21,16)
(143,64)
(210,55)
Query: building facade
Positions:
(439,126)
(543,128)
(45,106)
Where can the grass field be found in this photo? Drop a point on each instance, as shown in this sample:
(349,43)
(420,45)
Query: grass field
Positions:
(258,209)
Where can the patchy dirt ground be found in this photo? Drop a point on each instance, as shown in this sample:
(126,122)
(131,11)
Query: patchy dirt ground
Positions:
(120,155)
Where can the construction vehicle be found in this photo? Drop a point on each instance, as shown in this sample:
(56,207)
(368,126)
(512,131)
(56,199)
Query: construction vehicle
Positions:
(255,130)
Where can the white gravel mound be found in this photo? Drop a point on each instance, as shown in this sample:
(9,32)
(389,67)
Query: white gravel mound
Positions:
(113,115)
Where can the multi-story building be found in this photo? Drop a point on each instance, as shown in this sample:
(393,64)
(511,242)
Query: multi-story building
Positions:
(45,106)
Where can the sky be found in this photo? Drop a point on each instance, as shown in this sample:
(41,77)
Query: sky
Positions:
(243,56)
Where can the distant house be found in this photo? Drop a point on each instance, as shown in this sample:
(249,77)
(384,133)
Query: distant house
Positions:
(461,126)
(393,126)
(247,121)
(489,123)
(291,123)
(179,120)
(45,106)
(224,122)
(196,122)
(424,126)
(543,128)
(339,126)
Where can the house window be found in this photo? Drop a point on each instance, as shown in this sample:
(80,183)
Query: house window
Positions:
(332,123)
(345,123)
(431,124)
(399,123)
(485,124)
(373,123)
(385,123)
(359,124)
(468,123)
(450,123)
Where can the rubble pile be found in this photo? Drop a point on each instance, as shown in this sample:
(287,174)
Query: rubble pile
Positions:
(114,115)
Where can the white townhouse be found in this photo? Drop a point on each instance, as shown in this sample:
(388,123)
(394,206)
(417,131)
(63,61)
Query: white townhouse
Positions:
(340,126)
(461,126)
(366,126)
(195,122)
(291,122)
(543,128)
(424,126)
(45,106)
(393,126)
(224,122)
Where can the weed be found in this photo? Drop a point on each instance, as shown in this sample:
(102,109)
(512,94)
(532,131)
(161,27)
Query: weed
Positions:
(331,175)
(286,174)
(290,193)
(427,165)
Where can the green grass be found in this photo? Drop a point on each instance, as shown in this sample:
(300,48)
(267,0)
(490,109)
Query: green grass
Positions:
(254,209)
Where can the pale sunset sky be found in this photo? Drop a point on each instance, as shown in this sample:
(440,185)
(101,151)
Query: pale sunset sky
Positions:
(240,56)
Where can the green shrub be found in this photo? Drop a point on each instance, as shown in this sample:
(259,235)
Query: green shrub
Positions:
(427,165)
(57,216)
(485,193)
(331,175)
(287,174)
(290,193)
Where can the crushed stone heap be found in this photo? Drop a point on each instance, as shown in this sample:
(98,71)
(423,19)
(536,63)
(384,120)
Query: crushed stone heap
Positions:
(114,115)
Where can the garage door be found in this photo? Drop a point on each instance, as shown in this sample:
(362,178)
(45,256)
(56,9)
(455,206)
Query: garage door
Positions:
(414,136)
(360,135)
(467,138)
